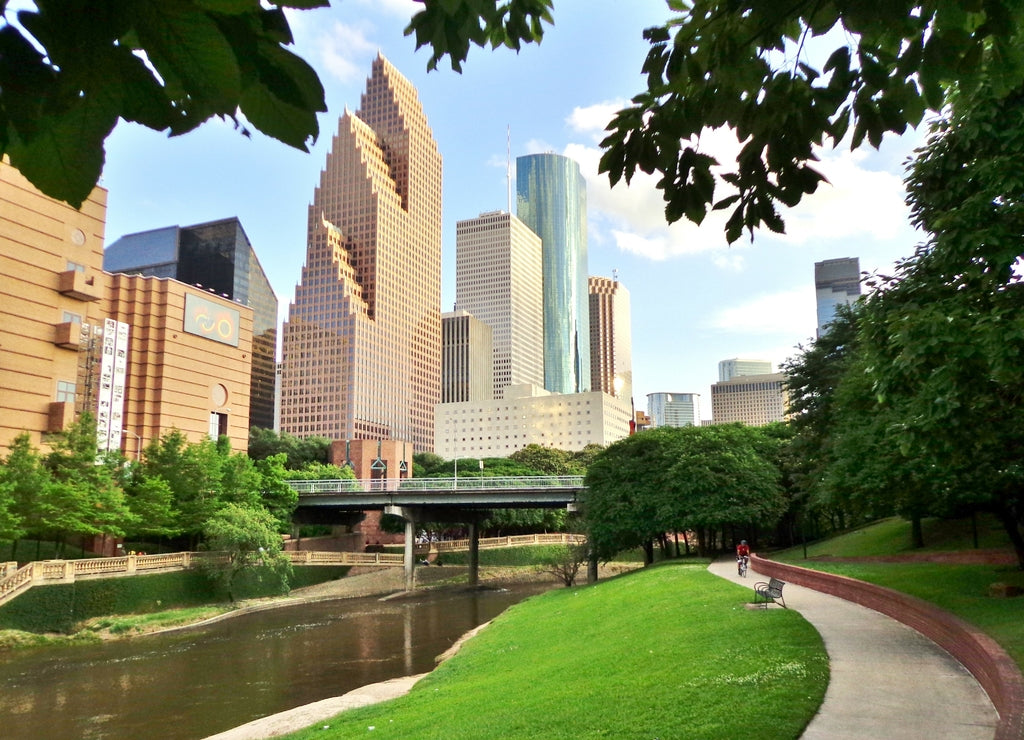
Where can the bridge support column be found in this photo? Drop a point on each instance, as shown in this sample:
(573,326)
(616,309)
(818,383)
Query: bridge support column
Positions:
(410,517)
(474,553)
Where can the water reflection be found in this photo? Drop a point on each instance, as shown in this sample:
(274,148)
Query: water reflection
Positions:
(192,684)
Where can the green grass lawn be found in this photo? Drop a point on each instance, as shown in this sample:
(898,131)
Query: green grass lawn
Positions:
(960,589)
(668,652)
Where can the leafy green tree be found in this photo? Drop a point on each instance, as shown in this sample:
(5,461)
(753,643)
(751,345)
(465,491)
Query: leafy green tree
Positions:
(70,70)
(10,523)
(547,460)
(193,472)
(276,496)
(249,538)
(300,451)
(746,66)
(321,471)
(87,499)
(943,337)
(151,502)
(26,478)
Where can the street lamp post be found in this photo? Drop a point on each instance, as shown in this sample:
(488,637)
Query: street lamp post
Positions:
(138,442)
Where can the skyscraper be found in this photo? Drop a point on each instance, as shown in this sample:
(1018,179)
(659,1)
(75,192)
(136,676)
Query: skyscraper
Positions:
(467,364)
(836,282)
(674,409)
(751,399)
(498,280)
(362,344)
(611,353)
(551,199)
(736,367)
(218,257)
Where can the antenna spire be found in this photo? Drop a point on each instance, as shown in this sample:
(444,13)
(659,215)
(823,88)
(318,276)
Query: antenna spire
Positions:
(508,164)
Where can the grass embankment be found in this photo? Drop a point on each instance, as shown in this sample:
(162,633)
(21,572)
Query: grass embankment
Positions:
(670,651)
(962,589)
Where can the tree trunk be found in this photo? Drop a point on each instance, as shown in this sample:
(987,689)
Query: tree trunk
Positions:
(1012,527)
(648,552)
(916,533)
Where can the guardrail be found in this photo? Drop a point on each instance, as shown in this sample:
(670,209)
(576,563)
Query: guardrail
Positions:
(495,483)
(15,581)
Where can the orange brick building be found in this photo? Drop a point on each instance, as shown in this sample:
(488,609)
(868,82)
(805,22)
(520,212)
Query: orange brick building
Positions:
(144,355)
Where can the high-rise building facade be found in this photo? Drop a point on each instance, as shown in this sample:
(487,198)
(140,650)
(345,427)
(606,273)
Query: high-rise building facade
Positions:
(836,282)
(736,367)
(528,415)
(674,409)
(551,199)
(751,399)
(611,351)
(361,350)
(467,366)
(219,258)
(142,355)
(498,280)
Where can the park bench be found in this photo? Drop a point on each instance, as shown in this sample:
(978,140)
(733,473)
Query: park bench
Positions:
(769,593)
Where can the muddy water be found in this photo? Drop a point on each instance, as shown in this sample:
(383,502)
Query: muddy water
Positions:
(205,680)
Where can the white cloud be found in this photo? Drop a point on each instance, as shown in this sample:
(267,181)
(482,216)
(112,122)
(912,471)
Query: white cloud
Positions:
(857,202)
(343,50)
(789,313)
(593,119)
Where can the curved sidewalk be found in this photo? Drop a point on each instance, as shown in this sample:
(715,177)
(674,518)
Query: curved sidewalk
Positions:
(886,679)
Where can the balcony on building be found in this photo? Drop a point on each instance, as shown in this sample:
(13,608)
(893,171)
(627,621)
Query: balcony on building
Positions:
(68,335)
(78,285)
(62,415)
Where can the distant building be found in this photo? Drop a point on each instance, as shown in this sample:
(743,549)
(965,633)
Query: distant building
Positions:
(498,279)
(674,409)
(736,367)
(218,257)
(836,282)
(361,349)
(467,369)
(751,399)
(551,198)
(611,352)
(143,355)
(530,415)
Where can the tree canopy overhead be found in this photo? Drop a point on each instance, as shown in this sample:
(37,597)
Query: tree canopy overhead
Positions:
(70,69)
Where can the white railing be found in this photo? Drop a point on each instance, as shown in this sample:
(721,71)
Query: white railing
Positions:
(495,483)
(15,581)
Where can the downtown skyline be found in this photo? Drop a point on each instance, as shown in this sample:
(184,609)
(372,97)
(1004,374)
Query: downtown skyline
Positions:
(695,301)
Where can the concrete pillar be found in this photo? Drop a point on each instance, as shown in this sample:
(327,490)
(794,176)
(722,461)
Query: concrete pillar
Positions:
(474,554)
(410,566)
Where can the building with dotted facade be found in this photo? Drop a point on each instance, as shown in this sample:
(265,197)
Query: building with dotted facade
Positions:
(361,349)
(751,399)
(466,358)
(498,279)
(611,348)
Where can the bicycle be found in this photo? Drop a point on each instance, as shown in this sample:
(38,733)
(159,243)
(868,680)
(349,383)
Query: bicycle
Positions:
(742,563)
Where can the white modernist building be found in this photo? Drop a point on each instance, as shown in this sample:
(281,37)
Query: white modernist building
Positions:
(528,414)
(674,409)
(836,282)
(498,279)
(751,399)
(734,368)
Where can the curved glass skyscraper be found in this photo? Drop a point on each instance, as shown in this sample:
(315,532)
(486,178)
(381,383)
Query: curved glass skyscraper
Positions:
(551,198)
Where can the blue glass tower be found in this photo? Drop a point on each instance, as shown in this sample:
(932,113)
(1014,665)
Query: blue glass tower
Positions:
(551,198)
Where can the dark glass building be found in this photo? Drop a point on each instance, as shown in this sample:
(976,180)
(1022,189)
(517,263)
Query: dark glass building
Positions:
(218,257)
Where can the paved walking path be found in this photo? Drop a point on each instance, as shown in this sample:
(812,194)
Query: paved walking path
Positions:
(887,680)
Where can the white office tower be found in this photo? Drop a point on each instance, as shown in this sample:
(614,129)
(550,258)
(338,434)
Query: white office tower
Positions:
(734,368)
(674,409)
(611,352)
(498,279)
(836,282)
(751,399)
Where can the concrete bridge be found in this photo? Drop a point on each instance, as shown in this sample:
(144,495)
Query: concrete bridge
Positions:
(435,499)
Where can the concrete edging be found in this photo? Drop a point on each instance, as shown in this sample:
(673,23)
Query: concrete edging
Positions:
(997,673)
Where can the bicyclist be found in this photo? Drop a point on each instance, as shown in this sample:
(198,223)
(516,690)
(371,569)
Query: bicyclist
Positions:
(742,556)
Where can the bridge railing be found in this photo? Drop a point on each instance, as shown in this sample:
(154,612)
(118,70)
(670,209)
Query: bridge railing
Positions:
(495,483)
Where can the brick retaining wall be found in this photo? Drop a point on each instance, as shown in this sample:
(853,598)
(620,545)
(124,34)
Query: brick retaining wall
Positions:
(997,673)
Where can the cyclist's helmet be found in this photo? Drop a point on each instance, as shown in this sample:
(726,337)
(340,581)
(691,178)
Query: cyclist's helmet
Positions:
(743,542)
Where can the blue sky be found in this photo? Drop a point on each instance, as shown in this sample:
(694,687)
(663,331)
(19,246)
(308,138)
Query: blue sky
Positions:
(695,300)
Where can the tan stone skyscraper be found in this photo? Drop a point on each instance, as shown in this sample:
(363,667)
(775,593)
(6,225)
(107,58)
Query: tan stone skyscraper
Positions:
(362,344)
